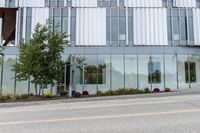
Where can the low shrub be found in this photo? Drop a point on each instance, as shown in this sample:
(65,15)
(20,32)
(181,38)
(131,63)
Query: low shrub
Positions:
(48,95)
(156,90)
(99,93)
(24,96)
(63,93)
(77,94)
(167,89)
(146,90)
(85,93)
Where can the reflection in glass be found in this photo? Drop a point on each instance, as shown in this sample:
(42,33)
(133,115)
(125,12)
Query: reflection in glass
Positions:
(117,72)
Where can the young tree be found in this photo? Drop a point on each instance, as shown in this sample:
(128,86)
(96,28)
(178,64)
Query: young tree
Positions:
(40,58)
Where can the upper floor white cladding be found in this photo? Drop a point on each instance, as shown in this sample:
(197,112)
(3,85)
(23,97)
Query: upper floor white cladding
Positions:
(96,3)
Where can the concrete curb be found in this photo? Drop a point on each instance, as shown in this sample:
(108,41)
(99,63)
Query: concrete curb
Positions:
(86,99)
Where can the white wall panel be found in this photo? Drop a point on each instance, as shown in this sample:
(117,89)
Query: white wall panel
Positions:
(150,26)
(91,26)
(38,18)
(84,3)
(143,3)
(196,21)
(184,3)
(31,3)
(2,3)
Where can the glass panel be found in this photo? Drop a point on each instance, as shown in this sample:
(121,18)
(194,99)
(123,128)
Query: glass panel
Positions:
(183,28)
(164,3)
(113,3)
(117,72)
(156,71)
(130,26)
(122,27)
(182,71)
(28,23)
(106,3)
(8,75)
(176,35)
(114,26)
(90,74)
(170,72)
(53,2)
(22,87)
(191,30)
(61,3)
(131,71)
(121,3)
(194,71)
(73,26)
(104,72)
(108,26)
(143,71)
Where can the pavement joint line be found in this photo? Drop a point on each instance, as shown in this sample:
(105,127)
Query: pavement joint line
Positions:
(96,106)
(101,117)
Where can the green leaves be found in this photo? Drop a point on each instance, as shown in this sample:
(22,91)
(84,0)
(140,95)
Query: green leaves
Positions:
(40,58)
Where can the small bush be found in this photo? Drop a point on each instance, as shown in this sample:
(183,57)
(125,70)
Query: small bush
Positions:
(156,90)
(146,90)
(48,95)
(24,96)
(109,92)
(99,93)
(167,89)
(31,94)
(63,93)
(77,94)
(85,93)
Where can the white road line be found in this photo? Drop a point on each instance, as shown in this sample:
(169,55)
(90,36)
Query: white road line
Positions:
(100,117)
(67,107)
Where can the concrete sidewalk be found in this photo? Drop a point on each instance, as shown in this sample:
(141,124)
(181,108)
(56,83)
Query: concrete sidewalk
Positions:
(101,98)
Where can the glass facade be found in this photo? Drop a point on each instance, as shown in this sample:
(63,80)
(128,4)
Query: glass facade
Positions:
(113,71)
(180,26)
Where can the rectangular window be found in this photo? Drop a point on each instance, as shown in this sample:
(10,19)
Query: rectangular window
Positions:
(122,26)
(60,3)
(28,23)
(73,26)
(108,22)
(113,3)
(64,20)
(167,3)
(121,3)
(169,25)
(114,26)
(53,2)
(130,26)
(198,3)
(180,26)
(57,19)
(190,27)
(190,72)
(183,27)
(154,72)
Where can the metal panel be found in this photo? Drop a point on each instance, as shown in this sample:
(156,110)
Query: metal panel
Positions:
(91,26)
(196,24)
(2,3)
(38,18)
(184,3)
(150,24)
(32,3)
(143,3)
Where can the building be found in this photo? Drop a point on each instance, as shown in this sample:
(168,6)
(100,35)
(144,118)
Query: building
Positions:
(123,43)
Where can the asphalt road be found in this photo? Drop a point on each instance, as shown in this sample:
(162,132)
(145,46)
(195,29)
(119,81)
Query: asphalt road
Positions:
(170,114)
